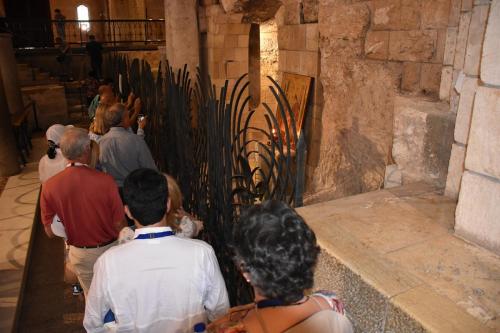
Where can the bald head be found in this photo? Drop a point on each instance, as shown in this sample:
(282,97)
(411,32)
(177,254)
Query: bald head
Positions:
(115,115)
(75,145)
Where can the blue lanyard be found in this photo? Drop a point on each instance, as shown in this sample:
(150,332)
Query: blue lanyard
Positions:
(266,303)
(155,235)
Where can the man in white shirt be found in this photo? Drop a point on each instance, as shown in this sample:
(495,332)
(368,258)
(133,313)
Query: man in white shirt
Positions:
(157,282)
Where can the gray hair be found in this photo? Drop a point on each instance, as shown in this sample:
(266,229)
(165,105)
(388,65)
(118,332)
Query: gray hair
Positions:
(74,142)
(113,116)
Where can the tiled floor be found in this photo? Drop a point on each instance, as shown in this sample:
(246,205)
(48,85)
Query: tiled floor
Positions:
(401,243)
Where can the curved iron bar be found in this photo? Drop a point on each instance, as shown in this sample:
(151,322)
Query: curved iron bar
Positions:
(212,157)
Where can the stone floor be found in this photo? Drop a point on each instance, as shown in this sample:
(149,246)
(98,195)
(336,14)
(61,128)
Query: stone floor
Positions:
(393,258)
(47,303)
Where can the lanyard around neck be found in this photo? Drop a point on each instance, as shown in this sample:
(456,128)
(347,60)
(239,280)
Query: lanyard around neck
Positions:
(155,235)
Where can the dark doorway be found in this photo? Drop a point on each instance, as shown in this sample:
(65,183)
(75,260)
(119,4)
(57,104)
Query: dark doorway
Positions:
(32,17)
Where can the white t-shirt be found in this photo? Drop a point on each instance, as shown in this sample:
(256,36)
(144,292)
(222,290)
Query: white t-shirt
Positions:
(49,167)
(152,285)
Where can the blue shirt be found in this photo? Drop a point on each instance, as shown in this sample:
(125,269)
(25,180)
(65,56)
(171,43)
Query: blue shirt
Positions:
(122,152)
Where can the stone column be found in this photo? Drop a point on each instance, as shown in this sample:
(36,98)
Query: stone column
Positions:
(8,66)
(9,164)
(182,35)
(2,9)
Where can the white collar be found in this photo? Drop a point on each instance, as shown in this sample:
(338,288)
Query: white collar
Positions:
(150,230)
(76,164)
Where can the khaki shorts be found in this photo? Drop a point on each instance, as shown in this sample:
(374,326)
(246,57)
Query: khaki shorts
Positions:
(82,262)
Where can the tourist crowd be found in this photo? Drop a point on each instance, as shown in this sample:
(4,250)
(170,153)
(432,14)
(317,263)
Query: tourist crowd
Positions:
(132,247)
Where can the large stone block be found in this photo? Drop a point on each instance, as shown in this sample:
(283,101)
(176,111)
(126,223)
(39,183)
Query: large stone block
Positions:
(467,5)
(423,135)
(478,211)
(490,64)
(435,14)
(386,14)
(312,37)
(449,48)
(475,40)
(438,57)
(454,17)
(298,37)
(310,10)
(410,15)
(415,45)
(463,33)
(455,171)
(430,78)
(309,63)
(377,45)
(393,176)
(258,11)
(343,21)
(446,80)
(410,80)
(464,113)
(51,103)
(483,153)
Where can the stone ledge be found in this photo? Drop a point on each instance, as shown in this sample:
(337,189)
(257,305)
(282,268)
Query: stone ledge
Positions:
(17,206)
(392,258)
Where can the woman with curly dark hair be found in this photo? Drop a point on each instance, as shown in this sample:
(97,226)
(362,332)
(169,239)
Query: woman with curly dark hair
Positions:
(277,253)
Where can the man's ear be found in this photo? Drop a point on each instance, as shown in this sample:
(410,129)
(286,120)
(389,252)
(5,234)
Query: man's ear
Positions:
(127,211)
(168,206)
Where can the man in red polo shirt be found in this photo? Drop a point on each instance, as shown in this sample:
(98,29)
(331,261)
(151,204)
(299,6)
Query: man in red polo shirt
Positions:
(88,203)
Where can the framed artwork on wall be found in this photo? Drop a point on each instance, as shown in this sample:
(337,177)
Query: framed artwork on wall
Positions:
(296,88)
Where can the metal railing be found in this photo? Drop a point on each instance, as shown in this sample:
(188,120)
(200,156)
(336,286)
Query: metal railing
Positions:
(43,33)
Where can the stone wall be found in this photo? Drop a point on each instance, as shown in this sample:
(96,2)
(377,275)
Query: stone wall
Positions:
(269,61)
(299,53)
(227,45)
(360,54)
(472,59)
(370,52)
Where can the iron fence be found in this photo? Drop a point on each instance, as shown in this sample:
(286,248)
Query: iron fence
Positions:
(43,33)
(202,135)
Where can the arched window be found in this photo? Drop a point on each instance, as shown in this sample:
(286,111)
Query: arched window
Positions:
(82,13)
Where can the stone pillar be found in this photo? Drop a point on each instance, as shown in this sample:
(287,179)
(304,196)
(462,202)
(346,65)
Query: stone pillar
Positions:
(181,29)
(9,164)
(8,66)
(2,9)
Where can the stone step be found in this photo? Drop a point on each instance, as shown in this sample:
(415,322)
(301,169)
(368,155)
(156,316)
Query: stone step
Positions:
(393,259)
(49,81)
(423,135)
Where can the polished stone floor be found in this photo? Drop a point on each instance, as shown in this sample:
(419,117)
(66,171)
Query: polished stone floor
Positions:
(47,303)
(399,260)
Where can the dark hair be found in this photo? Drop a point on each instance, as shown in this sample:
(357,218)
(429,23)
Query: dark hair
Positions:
(277,248)
(51,152)
(91,37)
(145,192)
(57,10)
(107,81)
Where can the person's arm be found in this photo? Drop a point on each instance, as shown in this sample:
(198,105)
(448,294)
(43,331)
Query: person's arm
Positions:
(137,107)
(117,209)
(47,213)
(96,304)
(215,300)
(140,128)
(189,226)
